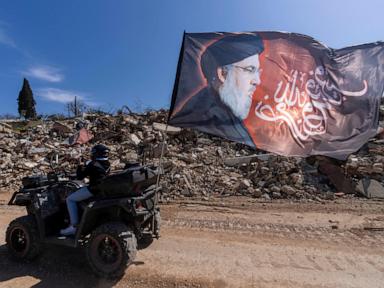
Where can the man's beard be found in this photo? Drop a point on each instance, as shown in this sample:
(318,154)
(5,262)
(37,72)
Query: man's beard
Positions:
(234,99)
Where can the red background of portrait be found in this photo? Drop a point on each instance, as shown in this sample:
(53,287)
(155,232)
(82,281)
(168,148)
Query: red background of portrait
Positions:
(279,58)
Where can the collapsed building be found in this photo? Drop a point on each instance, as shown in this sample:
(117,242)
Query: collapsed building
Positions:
(194,164)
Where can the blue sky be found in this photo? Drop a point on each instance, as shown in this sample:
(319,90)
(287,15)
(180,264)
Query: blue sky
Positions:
(122,52)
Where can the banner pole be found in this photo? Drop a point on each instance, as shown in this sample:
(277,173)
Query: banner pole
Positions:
(174,92)
(161,155)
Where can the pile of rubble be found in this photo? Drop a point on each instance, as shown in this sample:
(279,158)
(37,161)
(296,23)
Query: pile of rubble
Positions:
(195,164)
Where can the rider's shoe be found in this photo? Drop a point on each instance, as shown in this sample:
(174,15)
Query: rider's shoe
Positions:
(70,230)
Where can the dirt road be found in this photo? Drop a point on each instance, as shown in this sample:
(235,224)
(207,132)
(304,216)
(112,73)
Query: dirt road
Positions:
(232,243)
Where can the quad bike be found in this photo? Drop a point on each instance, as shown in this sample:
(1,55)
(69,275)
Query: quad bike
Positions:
(109,229)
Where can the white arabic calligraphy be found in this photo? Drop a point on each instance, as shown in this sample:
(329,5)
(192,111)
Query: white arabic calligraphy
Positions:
(304,106)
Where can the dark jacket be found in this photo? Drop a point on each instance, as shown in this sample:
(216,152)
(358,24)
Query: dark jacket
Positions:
(96,170)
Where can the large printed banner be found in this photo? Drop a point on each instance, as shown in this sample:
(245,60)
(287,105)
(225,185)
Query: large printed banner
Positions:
(282,92)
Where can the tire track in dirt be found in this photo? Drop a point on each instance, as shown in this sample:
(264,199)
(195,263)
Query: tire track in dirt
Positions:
(238,261)
(226,248)
(343,237)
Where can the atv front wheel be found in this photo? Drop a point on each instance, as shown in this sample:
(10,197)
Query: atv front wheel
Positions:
(111,249)
(22,238)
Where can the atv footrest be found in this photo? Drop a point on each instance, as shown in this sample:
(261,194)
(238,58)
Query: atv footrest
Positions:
(61,240)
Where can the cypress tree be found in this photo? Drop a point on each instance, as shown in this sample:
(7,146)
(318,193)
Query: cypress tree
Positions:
(26,103)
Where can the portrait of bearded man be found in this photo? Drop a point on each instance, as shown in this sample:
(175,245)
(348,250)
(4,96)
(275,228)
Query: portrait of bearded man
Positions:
(231,68)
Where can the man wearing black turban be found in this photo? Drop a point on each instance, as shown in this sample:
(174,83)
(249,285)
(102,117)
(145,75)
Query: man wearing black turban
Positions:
(231,68)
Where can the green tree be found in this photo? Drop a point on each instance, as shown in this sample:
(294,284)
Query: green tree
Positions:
(26,103)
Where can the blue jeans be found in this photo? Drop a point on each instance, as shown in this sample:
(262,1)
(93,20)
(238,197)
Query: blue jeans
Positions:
(81,194)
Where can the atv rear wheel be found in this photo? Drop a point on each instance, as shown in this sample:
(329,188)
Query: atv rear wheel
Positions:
(22,238)
(111,248)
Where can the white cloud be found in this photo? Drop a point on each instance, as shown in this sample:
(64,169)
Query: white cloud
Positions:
(46,73)
(59,95)
(5,38)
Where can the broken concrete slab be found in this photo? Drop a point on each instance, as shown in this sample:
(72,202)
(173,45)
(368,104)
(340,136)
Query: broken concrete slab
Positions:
(134,139)
(61,129)
(246,159)
(81,137)
(29,165)
(243,184)
(5,128)
(336,175)
(370,188)
(163,128)
(131,120)
(38,150)
(288,190)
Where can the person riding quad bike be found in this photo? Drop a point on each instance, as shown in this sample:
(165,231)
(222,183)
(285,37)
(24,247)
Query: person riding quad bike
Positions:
(96,169)
(124,215)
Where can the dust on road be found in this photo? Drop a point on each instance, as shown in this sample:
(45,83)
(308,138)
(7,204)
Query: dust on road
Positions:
(232,243)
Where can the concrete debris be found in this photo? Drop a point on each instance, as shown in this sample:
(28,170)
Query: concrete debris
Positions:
(194,164)
(61,129)
(134,139)
(370,188)
(163,128)
(81,137)
(131,120)
(246,159)
(336,175)
(38,150)
(288,190)
(5,128)
(29,164)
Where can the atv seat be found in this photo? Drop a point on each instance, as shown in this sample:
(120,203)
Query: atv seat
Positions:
(147,193)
